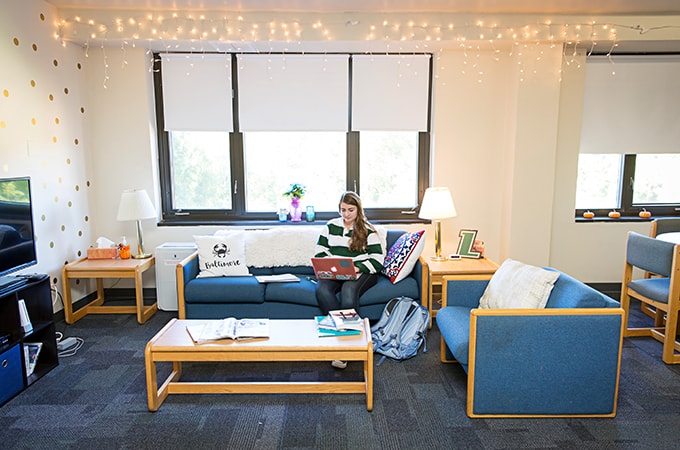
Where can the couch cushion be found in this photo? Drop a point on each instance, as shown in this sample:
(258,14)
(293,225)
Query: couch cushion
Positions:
(403,255)
(569,292)
(224,290)
(655,288)
(221,256)
(518,285)
(454,325)
(384,291)
(300,293)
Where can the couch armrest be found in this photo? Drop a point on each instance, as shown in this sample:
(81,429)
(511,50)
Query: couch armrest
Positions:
(185,271)
(547,362)
(417,273)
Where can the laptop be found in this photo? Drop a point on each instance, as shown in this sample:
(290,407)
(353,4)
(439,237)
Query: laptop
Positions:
(334,268)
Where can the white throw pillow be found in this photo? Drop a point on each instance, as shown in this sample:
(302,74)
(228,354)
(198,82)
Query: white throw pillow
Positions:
(518,285)
(221,256)
(278,246)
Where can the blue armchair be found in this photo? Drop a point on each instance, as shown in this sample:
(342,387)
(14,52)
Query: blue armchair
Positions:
(562,360)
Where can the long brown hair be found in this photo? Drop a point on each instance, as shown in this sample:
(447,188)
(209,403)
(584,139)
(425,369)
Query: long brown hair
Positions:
(359,240)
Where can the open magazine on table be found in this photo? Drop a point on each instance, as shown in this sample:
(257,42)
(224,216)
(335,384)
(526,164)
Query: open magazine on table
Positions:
(229,328)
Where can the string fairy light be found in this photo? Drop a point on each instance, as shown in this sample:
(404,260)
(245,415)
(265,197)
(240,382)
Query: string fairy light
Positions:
(189,31)
(185,27)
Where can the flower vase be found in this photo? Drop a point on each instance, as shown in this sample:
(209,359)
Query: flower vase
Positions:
(295,210)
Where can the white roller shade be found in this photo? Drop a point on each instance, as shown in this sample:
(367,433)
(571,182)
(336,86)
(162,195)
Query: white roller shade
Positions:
(293,92)
(390,92)
(631,105)
(197,93)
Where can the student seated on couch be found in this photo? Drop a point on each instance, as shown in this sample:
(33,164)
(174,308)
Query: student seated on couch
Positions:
(349,235)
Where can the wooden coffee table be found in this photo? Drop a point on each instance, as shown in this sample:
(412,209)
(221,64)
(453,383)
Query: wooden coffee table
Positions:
(290,340)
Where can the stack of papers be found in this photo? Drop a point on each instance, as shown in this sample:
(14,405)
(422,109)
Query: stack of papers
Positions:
(350,324)
(31,353)
(346,319)
(280,278)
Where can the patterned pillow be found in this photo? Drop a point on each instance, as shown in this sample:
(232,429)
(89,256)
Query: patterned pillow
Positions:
(221,256)
(403,255)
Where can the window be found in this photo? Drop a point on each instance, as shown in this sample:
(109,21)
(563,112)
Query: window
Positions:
(630,136)
(289,120)
(201,176)
(271,158)
(628,183)
(387,170)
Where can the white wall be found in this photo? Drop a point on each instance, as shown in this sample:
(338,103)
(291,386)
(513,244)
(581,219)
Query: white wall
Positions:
(505,141)
(43,106)
(506,145)
(588,251)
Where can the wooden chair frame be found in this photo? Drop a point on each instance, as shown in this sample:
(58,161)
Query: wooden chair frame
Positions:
(665,333)
(659,226)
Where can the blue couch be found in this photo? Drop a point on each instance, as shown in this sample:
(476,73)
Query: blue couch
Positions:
(243,296)
(563,360)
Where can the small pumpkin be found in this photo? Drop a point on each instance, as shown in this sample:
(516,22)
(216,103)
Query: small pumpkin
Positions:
(645,214)
(614,214)
(588,214)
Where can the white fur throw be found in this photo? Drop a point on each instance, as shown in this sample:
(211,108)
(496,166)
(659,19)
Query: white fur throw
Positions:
(283,246)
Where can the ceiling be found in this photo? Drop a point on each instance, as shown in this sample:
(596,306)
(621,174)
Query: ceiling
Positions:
(600,7)
(654,9)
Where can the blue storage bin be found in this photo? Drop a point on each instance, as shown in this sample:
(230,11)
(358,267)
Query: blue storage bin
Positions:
(11,376)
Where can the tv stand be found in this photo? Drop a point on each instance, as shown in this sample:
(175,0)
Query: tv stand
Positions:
(16,339)
(8,282)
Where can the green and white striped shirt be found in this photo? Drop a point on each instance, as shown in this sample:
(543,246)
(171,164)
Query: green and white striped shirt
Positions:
(334,241)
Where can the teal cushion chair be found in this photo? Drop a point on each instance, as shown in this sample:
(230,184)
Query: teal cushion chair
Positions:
(660,292)
(562,360)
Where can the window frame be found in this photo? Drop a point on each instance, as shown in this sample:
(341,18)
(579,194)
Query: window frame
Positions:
(238,215)
(627,208)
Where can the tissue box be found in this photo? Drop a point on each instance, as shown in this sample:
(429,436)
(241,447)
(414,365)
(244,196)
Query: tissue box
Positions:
(102,253)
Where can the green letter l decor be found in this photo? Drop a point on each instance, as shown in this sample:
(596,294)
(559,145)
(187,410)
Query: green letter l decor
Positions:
(467,240)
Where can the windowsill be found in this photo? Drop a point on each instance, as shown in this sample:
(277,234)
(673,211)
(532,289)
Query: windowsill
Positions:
(610,220)
(276,223)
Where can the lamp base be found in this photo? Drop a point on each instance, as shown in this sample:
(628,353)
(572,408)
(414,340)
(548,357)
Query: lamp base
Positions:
(142,256)
(438,258)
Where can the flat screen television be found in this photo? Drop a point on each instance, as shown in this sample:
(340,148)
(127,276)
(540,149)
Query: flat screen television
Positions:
(17,242)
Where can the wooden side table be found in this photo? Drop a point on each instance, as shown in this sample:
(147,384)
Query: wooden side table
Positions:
(107,268)
(435,271)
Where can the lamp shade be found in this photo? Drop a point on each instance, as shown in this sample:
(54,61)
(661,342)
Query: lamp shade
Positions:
(437,204)
(135,204)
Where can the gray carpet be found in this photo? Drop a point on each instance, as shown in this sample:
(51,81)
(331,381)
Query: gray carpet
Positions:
(97,399)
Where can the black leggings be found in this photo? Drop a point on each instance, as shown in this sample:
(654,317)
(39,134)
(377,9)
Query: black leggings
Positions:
(350,291)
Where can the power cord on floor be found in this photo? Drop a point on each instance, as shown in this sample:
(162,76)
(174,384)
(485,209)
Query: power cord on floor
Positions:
(56,297)
(68,346)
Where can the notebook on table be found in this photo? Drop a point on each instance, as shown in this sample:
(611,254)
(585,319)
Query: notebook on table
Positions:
(334,268)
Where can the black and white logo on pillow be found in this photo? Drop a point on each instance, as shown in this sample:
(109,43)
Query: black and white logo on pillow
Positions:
(220,250)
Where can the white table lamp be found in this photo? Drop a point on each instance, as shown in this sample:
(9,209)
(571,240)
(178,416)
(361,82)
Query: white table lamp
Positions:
(135,204)
(437,205)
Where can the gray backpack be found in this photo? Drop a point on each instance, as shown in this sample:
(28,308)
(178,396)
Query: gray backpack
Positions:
(401,330)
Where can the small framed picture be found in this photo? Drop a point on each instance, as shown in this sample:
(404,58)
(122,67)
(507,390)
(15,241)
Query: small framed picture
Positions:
(469,246)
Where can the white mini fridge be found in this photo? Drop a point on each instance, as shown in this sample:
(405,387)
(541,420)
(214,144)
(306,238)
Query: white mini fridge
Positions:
(167,257)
